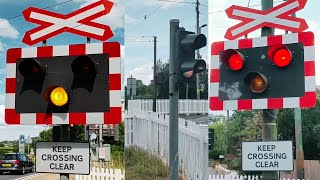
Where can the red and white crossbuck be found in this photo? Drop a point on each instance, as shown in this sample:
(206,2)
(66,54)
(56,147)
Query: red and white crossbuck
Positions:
(277,17)
(111,117)
(309,98)
(78,22)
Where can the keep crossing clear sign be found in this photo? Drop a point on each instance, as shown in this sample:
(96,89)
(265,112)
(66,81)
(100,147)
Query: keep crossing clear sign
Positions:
(63,157)
(267,156)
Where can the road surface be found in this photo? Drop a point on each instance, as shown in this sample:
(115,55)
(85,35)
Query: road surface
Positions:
(10,176)
(30,176)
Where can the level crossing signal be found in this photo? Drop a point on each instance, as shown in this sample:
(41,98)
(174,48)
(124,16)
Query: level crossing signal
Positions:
(73,84)
(63,84)
(271,72)
(189,66)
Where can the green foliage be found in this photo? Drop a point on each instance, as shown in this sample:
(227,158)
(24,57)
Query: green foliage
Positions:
(78,133)
(310,129)
(141,166)
(1,145)
(214,154)
(46,135)
(229,135)
(117,148)
(220,135)
(146,91)
(4,150)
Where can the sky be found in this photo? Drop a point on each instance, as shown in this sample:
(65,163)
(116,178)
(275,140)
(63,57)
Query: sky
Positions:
(13,27)
(219,22)
(143,19)
(140,31)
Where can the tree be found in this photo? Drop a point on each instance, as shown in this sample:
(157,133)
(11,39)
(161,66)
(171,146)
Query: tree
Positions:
(310,129)
(46,135)
(143,91)
(163,67)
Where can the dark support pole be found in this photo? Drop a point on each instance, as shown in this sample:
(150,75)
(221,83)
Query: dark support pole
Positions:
(299,144)
(154,107)
(64,137)
(60,133)
(198,52)
(269,124)
(174,98)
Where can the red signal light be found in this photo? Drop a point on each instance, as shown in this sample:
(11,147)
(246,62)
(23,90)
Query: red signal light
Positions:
(235,62)
(280,55)
(233,58)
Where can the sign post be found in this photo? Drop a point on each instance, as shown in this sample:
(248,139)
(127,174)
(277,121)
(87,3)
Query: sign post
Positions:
(63,157)
(267,156)
(21,144)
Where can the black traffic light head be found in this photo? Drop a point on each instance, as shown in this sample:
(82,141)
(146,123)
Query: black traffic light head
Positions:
(188,43)
(63,84)
(84,68)
(32,70)
(211,138)
(262,72)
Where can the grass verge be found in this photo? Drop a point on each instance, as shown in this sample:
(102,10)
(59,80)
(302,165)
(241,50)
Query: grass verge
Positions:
(140,165)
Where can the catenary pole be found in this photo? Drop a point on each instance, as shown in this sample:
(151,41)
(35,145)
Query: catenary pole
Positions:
(174,98)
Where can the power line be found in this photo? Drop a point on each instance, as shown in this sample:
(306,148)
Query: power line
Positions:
(146,16)
(19,15)
(221,11)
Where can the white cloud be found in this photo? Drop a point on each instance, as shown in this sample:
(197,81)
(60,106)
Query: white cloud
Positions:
(115,19)
(144,73)
(12,132)
(1,47)
(7,30)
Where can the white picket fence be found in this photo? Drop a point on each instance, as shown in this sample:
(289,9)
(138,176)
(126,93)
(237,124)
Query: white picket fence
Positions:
(233,177)
(150,131)
(186,106)
(237,177)
(102,174)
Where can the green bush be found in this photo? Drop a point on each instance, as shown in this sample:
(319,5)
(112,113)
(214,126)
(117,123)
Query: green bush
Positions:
(140,165)
(214,154)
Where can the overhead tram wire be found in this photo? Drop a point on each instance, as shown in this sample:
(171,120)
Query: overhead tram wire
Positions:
(225,26)
(146,17)
(221,11)
(185,2)
(47,7)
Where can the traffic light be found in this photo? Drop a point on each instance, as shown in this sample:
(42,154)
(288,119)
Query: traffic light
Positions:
(271,72)
(63,84)
(211,138)
(262,72)
(188,43)
(73,84)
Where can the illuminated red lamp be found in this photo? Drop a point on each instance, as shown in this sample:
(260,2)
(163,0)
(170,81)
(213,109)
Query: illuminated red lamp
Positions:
(280,55)
(234,59)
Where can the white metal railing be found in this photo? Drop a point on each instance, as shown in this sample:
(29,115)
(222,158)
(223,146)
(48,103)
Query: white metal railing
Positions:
(186,106)
(97,173)
(150,131)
